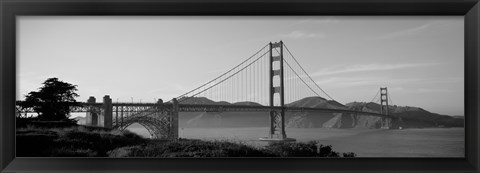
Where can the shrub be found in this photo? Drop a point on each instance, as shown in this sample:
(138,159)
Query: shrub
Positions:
(301,149)
(72,152)
(326,151)
(349,154)
(34,144)
(292,149)
(189,148)
(72,141)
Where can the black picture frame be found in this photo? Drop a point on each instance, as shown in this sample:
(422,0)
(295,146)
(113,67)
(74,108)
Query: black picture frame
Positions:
(470,9)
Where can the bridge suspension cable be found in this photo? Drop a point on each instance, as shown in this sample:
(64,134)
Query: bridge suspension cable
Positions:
(389,98)
(224,74)
(378,92)
(293,57)
(242,79)
(248,81)
(289,66)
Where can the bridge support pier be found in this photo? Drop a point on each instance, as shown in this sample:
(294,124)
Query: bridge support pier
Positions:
(92,116)
(107,112)
(95,116)
(174,120)
(277,125)
(277,128)
(386,123)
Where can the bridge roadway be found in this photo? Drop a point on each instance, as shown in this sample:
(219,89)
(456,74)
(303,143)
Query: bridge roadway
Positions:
(137,107)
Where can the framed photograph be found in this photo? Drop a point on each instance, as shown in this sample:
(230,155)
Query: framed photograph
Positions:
(252,86)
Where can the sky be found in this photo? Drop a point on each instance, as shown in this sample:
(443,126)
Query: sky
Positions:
(420,59)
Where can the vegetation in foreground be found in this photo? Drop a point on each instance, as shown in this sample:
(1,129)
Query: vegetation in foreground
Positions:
(74,141)
(83,141)
(52,101)
(53,134)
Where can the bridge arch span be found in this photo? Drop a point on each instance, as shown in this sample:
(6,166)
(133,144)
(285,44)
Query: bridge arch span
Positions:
(157,126)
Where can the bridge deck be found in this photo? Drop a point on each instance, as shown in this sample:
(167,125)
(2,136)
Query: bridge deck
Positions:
(246,108)
(84,107)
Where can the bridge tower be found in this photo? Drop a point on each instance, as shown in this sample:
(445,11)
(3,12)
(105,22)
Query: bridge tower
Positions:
(277,116)
(386,121)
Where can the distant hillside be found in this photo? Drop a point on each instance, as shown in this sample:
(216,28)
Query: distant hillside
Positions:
(221,119)
(261,119)
(314,119)
(206,101)
(200,100)
(332,120)
(412,116)
(247,103)
(316,102)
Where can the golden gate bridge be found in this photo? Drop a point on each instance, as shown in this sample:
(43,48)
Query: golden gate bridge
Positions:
(271,80)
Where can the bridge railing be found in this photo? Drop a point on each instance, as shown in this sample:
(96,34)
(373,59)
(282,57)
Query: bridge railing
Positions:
(137,107)
(248,108)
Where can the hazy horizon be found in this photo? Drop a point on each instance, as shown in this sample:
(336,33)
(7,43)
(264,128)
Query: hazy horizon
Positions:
(420,59)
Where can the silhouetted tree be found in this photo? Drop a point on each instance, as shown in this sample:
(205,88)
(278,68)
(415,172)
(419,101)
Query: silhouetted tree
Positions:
(53,100)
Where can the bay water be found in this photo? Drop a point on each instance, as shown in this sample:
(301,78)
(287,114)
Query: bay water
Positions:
(427,142)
